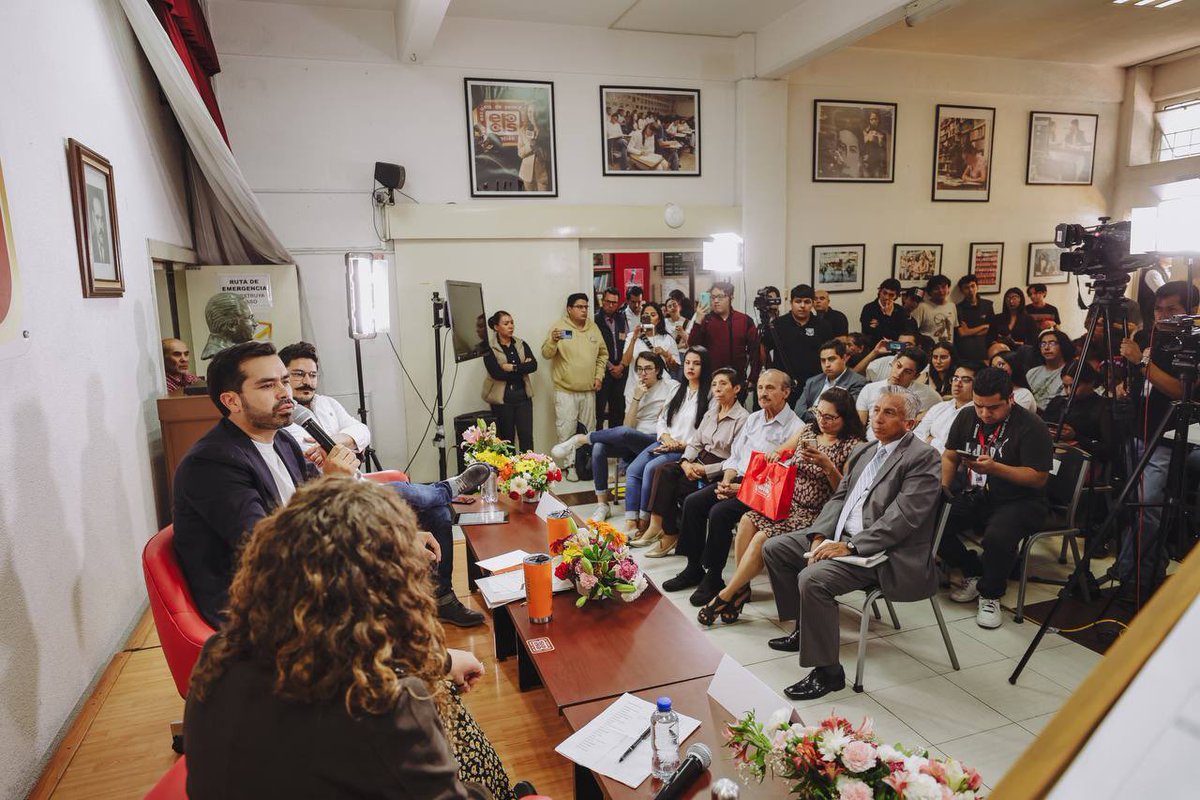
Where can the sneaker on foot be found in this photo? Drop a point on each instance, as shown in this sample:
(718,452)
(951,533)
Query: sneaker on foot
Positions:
(967,592)
(988,615)
(563,451)
(450,609)
(601,512)
(469,479)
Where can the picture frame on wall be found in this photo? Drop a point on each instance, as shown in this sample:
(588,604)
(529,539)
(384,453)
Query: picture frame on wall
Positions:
(511,138)
(1044,264)
(97,236)
(853,141)
(650,131)
(962,153)
(914,264)
(986,262)
(1062,149)
(838,267)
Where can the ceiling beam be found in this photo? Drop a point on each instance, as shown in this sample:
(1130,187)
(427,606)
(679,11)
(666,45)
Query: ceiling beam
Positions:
(417,26)
(817,27)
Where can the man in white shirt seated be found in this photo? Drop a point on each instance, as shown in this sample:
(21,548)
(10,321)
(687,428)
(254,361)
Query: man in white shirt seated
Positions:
(711,514)
(834,374)
(304,375)
(906,367)
(935,425)
(618,157)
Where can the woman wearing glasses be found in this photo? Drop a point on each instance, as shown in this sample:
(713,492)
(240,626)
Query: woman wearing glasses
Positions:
(820,456)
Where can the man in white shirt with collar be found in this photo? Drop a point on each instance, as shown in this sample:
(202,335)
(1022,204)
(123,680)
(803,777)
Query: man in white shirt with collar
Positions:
(935,425)
(304,376)
(711,514)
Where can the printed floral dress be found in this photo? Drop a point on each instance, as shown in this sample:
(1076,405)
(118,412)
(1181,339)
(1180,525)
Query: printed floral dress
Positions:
(811,493)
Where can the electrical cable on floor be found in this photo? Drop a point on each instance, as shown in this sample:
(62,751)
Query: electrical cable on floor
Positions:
(1092,625)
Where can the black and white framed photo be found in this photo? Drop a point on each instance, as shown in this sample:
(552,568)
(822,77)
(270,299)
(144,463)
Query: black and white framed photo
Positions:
(854,142)
(914,264)
(962,153)
(510,135)
(1043,264)
(838,267)
(650,131)
(1062,148)
(94,202)
(986,262)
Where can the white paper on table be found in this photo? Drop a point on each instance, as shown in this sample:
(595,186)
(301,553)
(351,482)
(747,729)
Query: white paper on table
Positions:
(599,744)
(505,587)
(738,690)
(502,562)
(549,504)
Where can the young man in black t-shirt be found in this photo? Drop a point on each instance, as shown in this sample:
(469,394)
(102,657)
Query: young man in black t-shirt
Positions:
(1043,314)
(1003,492)
(974,318)
(883,318)
(799,336)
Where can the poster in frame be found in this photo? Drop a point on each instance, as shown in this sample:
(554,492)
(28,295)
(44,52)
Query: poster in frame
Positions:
(511,138)
(97,236)
(1062,148)
(838,267)
(671,117)
(853,141)
(914,264)
(962,153)
(1044,264)
(986,263)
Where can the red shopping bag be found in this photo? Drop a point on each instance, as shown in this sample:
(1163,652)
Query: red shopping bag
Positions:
(767,487)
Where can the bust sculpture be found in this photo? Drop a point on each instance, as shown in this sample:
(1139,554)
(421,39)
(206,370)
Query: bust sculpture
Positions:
(230,321)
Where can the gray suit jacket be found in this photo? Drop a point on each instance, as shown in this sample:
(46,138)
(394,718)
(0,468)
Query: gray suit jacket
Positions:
(898,516)
(849,380)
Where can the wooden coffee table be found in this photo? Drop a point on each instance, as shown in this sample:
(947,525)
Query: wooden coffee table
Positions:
(687,697)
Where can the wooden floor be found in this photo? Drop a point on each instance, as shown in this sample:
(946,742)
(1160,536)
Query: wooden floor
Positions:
(121,742)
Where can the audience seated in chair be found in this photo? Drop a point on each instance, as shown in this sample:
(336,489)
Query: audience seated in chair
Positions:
(835,372)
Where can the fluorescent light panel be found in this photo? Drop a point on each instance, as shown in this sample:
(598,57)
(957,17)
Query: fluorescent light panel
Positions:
(1167,3)
(367,294)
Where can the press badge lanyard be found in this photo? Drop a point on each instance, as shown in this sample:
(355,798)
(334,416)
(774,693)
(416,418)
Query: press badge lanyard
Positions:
(985,446)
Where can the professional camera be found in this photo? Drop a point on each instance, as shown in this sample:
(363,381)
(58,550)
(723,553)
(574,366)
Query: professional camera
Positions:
(766,300)
(1178,336)
(1099,251)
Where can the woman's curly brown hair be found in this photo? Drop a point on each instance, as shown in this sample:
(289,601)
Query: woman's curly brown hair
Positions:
(333,595)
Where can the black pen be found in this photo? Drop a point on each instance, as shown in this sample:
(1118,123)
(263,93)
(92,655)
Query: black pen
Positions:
(633,746)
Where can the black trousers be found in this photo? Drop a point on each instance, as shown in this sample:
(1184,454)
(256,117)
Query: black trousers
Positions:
(1004,526)
(610,402)
(707,528)
(514,422)
(670,487)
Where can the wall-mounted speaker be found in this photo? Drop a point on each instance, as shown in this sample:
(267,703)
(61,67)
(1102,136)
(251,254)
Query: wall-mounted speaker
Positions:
(389,175)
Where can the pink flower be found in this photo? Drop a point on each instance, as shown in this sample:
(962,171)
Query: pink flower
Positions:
(627,570)
(854,790)
(471,435)
(586,582)
(859,756)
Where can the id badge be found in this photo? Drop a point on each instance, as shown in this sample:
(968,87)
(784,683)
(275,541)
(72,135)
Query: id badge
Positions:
(977,479)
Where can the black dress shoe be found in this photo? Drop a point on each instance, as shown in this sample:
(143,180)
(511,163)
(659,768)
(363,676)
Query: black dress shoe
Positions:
(815,685)
(450,609)
(691,576)
(469,479)
(787,644)
(709,587)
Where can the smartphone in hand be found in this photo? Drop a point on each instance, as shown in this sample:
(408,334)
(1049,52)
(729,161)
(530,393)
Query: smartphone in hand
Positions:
(967,455)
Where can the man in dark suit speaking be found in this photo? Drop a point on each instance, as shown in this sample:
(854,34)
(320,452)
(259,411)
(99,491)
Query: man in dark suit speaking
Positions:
(886,503)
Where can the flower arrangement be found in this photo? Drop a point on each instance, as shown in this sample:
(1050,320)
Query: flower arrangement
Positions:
(480,440)
(596,559)
(528,474)
(836,761)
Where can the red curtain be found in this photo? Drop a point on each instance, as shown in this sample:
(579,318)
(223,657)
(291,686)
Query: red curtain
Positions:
(184,22)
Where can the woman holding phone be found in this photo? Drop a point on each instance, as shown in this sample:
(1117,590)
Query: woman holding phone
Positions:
(650,337)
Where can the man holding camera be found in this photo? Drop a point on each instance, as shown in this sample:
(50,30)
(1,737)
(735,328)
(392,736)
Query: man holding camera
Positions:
(578,358)
(799,337)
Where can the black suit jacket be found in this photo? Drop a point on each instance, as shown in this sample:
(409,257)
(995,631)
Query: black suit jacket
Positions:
(222,489)
(616,347)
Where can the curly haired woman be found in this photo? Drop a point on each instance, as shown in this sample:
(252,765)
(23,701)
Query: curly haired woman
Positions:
(330,678)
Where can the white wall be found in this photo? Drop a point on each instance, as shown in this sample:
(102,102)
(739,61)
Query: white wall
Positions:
(880,215)
(1176,78)
(77,411)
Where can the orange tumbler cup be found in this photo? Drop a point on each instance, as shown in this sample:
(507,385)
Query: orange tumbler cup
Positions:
(558,525)
(539,592)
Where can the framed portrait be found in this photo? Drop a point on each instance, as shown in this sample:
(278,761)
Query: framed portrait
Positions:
(985,262)
(854,142)
(914,264)
(94,202)
(510,135)
(648,131)
(838,267)
(962,153)
(1043,264)
(1062,148)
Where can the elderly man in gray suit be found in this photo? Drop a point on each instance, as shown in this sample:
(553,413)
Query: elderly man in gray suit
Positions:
(886,503)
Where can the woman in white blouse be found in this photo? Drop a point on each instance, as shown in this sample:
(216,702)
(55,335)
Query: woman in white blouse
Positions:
(650,337)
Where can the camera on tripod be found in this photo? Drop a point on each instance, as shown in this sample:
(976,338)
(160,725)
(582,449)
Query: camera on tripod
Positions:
(765,300)
(1096,252)
(1179,336)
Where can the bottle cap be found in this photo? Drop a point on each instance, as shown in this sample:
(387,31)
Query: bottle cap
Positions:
(664,704)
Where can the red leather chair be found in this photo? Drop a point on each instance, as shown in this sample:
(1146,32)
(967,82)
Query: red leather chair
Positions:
(386,476)
(172,785)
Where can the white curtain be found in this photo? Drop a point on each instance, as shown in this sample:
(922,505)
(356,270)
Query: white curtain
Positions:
(228,224)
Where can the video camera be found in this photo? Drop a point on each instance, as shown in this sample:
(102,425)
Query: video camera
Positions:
(1101,251)
(765,300)
(1179,336)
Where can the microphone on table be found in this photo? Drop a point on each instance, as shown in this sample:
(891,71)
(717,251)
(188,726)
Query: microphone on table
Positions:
(695,764)
(305,419)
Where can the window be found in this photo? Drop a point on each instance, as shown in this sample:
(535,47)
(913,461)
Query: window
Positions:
(1178,129)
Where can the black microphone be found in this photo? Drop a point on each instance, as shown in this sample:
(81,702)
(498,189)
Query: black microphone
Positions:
(698,759)
(305,419)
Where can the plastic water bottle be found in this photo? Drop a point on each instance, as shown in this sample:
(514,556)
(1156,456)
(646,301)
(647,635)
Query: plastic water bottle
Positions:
(664,740)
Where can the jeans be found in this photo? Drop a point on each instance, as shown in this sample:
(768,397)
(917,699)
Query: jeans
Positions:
(639,480)
(623,442)
(431,502)
(1141,557)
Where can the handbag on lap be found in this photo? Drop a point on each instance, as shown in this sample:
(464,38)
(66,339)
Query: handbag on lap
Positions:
(767,487)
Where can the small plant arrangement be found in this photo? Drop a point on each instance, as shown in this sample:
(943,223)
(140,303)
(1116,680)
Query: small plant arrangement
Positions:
(480,442)
(596,559)
(836,761)
(527,475)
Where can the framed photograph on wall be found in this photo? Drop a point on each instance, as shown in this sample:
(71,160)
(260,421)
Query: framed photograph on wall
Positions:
(838,267)
(854,142)
(986,262)
(648,131)
(94,203)
(914,264)
(510,136)
(1062,148)
(962,153)
(1043,264)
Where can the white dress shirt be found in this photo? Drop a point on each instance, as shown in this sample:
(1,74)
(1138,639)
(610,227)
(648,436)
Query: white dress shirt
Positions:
(333,419)
(761,435)
(854,523)
(935,425)
(683,426)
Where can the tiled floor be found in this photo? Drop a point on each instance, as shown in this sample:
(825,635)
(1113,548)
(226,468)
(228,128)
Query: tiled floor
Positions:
(911,691)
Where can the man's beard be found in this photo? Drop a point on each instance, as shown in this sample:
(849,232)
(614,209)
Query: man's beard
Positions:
(268,421)
(301,400)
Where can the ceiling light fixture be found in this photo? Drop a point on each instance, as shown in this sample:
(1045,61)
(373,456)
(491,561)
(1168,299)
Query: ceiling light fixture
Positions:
(1145,2)
(1167,3)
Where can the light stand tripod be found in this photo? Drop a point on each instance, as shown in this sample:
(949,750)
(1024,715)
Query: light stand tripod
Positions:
(440,322)
(369,459)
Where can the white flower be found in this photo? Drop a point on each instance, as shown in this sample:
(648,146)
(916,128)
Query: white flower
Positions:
(518,484)
(780,718)
(831,744)
(639,586)
(922,787)
(889,753)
